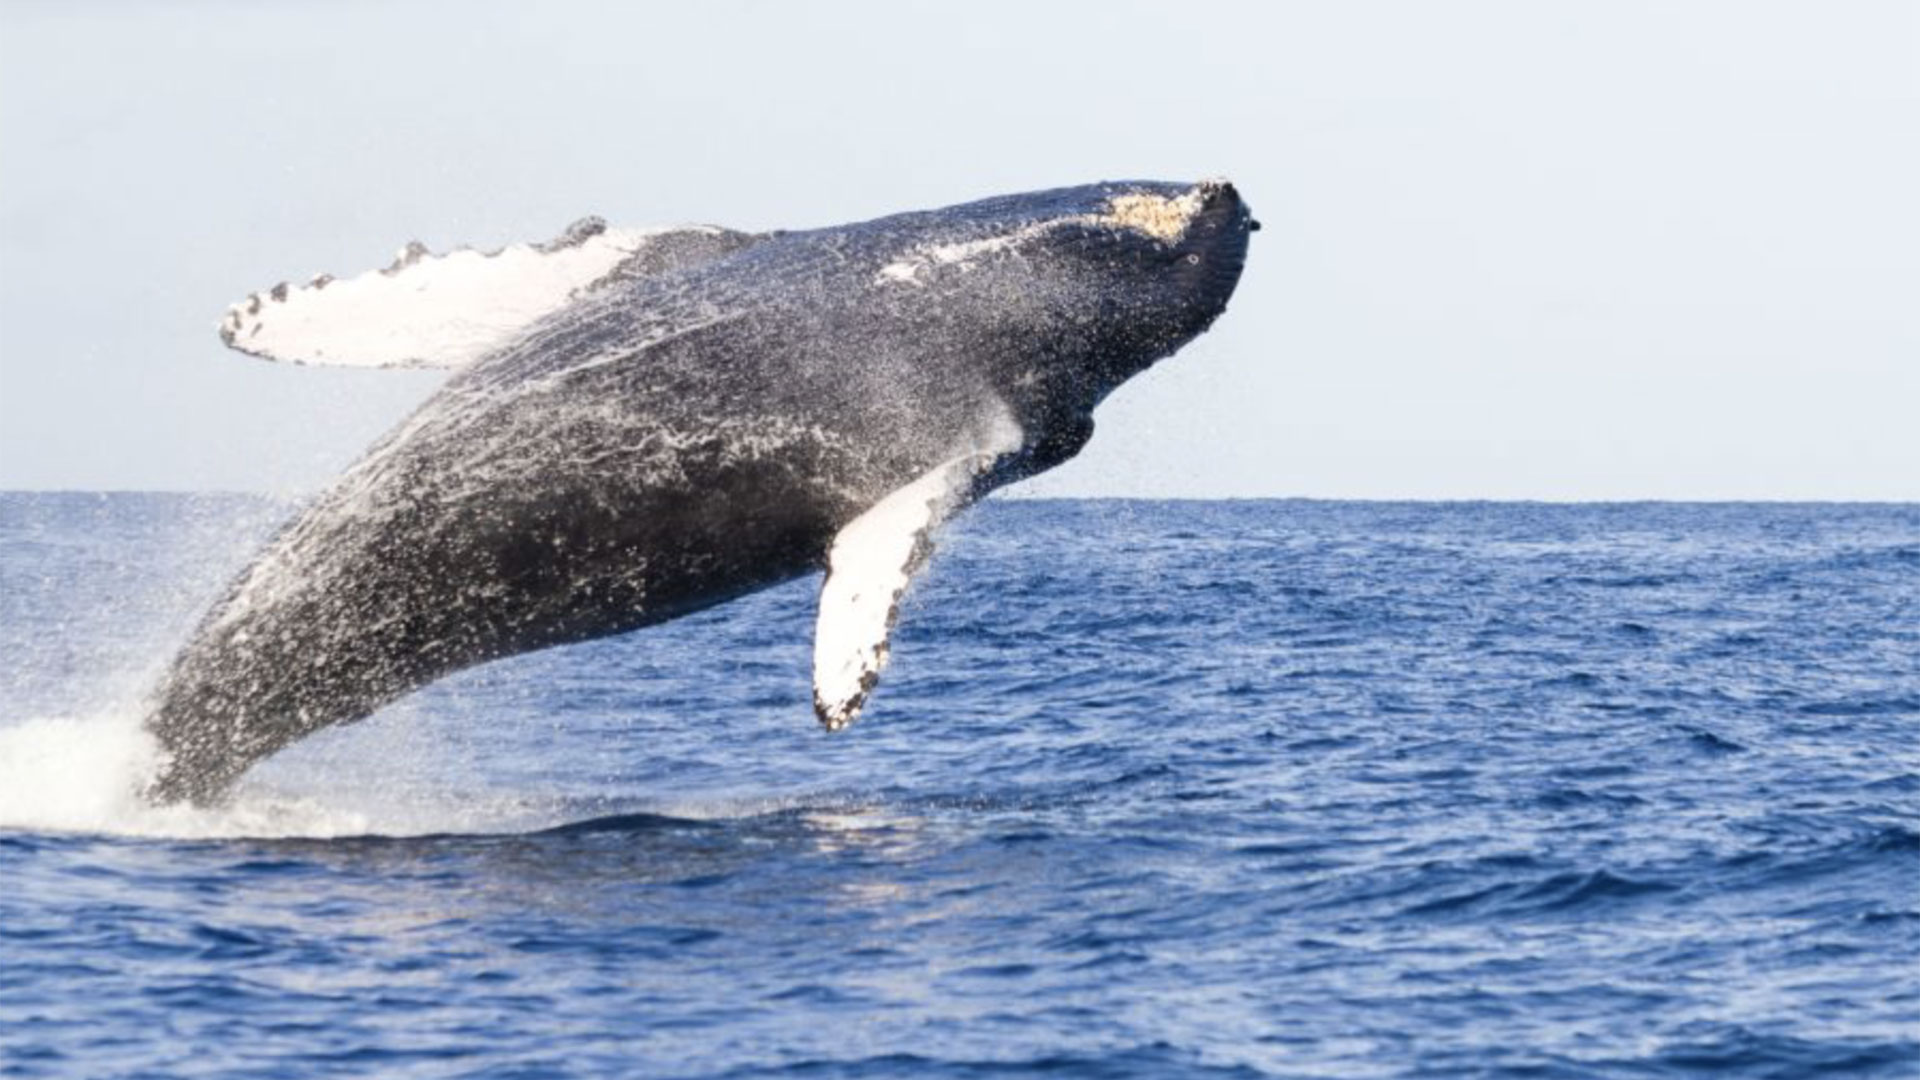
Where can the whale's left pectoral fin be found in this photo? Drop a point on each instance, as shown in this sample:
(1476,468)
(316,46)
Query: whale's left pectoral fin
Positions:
(445,311)
(869,567)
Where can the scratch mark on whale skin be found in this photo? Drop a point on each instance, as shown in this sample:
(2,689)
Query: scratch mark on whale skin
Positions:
(1164,218)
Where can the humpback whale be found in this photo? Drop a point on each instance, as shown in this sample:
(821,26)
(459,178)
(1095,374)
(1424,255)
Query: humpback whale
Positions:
(639,424)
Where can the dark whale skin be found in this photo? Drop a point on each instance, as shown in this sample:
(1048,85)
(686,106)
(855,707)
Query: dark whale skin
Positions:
(683,437)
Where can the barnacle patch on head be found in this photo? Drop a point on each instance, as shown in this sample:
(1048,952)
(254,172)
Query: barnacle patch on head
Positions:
(1163,218)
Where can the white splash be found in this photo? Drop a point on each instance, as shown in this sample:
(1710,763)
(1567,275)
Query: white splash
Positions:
(84,774)
(77,774)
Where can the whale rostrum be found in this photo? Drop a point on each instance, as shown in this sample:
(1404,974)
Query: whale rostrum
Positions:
(639,424)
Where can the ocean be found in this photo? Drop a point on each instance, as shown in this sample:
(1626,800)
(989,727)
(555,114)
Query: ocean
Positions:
(1151,789)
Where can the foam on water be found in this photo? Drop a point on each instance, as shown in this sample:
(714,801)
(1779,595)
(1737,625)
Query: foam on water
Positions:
(73,773)
(85,774)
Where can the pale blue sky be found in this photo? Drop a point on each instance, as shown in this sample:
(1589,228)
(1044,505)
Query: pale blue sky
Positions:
(1529,249)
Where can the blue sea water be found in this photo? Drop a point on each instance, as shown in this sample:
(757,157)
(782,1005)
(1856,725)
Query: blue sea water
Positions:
(1221,789)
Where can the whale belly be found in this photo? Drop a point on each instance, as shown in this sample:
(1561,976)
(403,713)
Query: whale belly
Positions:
(363,598)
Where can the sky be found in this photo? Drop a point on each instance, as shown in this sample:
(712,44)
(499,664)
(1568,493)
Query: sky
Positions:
(1567,251)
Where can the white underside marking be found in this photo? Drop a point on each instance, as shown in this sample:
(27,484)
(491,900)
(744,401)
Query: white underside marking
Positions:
(428,310)
(871,563)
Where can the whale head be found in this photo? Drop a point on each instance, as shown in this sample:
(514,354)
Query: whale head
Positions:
(1167,263)
(1081,288)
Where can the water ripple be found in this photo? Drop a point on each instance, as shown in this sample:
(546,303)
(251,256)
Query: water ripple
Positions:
(1152,790)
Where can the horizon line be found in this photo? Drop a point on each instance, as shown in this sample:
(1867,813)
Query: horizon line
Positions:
(1467,500)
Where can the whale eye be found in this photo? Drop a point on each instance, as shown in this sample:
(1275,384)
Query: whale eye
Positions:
(1193,259)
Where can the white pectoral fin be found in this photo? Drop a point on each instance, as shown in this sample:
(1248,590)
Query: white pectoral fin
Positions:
(444,311)
(868,569)
(871,563)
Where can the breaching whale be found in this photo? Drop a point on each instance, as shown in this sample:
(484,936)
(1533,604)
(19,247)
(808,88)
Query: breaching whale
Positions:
(644,423)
